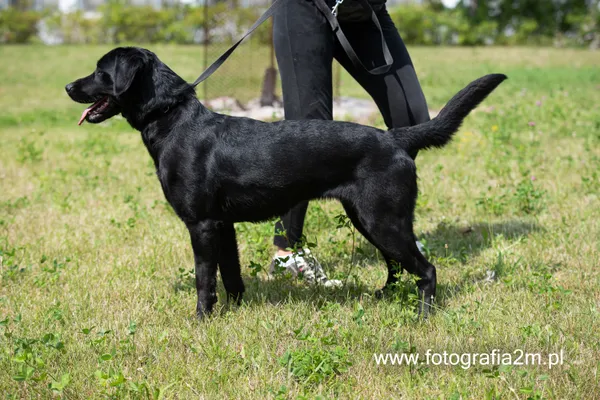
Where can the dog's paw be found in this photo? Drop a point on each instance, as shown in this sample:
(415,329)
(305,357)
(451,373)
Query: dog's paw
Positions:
(382,293)
(235,298)
(204,311)
(425,308)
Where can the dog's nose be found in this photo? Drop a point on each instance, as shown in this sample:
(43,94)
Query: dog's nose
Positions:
(69,87)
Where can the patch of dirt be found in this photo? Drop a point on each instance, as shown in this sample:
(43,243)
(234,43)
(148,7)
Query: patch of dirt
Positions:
(362,111)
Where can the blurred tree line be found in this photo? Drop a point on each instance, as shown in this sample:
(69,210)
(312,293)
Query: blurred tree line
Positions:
(471,22)
(537,19)
(501,22)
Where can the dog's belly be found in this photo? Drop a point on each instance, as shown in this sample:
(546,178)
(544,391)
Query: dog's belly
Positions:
(261,204)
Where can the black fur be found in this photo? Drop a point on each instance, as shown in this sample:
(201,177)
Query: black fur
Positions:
(216,170)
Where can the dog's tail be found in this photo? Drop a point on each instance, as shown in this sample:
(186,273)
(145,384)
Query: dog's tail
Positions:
(439,131)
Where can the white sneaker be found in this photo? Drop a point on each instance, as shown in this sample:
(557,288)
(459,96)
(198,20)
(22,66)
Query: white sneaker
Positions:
(304,264)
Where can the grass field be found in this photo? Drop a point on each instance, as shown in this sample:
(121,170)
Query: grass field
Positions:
(97,299)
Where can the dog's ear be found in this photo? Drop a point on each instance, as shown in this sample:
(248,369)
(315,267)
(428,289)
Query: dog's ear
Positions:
(126,68)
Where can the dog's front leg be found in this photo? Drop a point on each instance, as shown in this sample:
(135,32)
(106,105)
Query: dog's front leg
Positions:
(229,264)
(205,237)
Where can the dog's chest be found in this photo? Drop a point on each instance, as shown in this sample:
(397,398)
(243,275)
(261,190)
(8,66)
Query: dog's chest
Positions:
(186,192)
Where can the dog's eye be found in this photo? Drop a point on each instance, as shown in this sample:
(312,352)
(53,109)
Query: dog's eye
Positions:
(103,76)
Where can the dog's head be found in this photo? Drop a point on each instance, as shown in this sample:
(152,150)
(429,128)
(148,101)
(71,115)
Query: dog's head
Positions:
(128,80)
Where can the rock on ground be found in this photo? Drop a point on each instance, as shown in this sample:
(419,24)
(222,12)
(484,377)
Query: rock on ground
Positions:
(344,108)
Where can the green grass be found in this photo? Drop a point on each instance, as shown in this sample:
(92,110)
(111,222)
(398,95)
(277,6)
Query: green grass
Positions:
(97,300)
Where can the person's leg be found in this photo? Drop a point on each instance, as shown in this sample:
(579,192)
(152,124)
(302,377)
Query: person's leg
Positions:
(303,44)
(398,93)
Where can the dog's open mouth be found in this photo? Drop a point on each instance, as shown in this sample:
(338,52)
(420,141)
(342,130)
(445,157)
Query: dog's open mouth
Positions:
(95,110)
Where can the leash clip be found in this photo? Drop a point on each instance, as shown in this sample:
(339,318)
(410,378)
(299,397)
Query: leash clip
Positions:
(334,9)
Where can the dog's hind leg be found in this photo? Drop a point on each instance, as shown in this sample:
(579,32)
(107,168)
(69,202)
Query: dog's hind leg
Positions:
(229,264)
(398,242)
(411,258)
(393,235)
(393,267)
(206,238)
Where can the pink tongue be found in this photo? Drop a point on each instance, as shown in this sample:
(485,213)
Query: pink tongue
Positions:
(90,108)
(84,114)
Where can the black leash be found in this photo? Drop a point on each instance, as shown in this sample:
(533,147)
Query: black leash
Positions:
(335,26)
(214,66)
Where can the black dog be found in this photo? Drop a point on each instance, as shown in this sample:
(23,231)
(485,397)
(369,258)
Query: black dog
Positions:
(216,170)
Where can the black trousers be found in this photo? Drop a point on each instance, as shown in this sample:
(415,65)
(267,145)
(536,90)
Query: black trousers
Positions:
(305,47)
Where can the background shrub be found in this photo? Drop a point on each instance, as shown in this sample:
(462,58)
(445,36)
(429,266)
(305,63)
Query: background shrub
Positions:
(502,22)
(18,26)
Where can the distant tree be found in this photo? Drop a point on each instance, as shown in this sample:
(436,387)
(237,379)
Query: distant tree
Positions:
(21,5)
(435,5)
(550,16)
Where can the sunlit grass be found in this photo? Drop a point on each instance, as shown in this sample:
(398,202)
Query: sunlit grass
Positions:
(97,300)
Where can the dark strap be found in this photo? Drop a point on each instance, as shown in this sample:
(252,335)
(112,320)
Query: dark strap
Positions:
(215,65)
(335,26)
